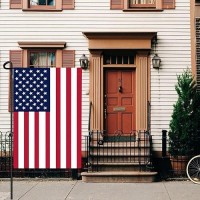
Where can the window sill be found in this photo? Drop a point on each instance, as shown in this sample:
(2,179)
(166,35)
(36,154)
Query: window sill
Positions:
(42,10)
(142,10)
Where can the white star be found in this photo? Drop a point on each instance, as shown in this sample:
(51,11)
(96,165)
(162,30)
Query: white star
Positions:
(16,100)
(16,108)
(16,78)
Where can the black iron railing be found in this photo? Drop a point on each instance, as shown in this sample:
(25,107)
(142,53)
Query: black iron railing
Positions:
(5,163)
(120,149)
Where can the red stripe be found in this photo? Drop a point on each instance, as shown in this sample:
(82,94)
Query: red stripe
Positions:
(58,118)
(15,147)
(47,140)
(79,111)
(26,140)
(36,140)
(68,118)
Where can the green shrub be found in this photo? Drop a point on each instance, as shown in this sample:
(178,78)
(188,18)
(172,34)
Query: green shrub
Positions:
(185,123)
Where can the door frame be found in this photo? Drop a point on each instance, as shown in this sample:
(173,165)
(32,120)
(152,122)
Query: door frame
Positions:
(142,65)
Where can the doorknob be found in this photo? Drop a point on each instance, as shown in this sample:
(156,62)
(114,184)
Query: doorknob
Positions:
(120,89)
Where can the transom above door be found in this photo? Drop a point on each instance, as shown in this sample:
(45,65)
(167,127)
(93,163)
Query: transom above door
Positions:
(119,100)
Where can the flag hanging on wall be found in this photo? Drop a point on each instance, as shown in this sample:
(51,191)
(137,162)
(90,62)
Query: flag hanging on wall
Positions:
(47,118)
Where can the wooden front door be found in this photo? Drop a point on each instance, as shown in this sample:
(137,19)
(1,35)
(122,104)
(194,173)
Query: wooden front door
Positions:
(120,101)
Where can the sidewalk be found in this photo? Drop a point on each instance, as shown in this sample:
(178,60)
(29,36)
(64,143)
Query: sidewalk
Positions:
(78,190)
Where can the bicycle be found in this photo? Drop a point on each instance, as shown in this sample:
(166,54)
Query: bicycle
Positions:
(193,169)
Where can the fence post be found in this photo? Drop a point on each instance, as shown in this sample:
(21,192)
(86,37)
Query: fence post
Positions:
(164,143)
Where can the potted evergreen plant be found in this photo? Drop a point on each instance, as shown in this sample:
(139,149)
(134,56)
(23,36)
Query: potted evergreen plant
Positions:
(185,122)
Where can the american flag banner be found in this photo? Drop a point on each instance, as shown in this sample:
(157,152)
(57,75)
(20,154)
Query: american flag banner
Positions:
(47,118)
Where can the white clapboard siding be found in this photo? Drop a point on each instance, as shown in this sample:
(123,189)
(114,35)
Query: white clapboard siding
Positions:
(172,27)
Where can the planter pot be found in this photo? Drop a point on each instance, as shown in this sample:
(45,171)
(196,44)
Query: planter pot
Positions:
(179,164)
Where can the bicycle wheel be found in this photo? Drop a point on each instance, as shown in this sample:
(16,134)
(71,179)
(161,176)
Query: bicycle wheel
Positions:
(193,169)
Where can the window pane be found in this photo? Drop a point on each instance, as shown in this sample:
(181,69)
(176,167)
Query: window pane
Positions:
(43,59)
(51,59)
(33,59)
(42,2)
(51,2)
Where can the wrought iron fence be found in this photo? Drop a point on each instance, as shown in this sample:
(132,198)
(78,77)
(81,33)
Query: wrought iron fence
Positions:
(99,150)
(5,164)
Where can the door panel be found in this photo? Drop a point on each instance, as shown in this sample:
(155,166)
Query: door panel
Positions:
(119,105)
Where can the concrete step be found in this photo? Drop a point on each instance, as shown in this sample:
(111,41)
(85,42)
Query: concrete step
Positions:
(120,151)
(119,177)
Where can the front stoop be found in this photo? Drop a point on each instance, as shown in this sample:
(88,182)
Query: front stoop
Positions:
(119,177)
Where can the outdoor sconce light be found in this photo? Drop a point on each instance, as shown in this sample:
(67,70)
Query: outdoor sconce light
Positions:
(156,61)
(84,62)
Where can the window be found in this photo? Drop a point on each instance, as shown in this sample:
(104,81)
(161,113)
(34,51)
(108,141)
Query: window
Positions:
(143,3)
(42,2)
(42,5)
(41,58)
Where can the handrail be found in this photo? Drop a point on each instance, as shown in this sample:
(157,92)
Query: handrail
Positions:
(90,110)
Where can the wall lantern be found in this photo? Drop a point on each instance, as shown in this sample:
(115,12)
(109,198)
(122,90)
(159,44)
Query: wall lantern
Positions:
(156,61)
(84,62)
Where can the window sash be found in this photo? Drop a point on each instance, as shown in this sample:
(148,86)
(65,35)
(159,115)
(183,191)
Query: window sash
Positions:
(42,58)
(143,3)
(42,2)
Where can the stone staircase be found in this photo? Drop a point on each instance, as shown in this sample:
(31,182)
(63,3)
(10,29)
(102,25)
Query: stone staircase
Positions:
(119,161)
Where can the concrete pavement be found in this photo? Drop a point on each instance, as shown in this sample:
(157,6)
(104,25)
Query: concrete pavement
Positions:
(77,190)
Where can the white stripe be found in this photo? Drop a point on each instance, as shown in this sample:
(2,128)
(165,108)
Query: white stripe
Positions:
(31,140)
(42,140)
(74,118)
(53,118)
(21,140)
(63,118)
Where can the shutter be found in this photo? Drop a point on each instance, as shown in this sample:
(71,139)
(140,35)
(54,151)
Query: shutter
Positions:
(68,4)
(68,58)
(15,4)
(117,4)
(16,58)
(168,4)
